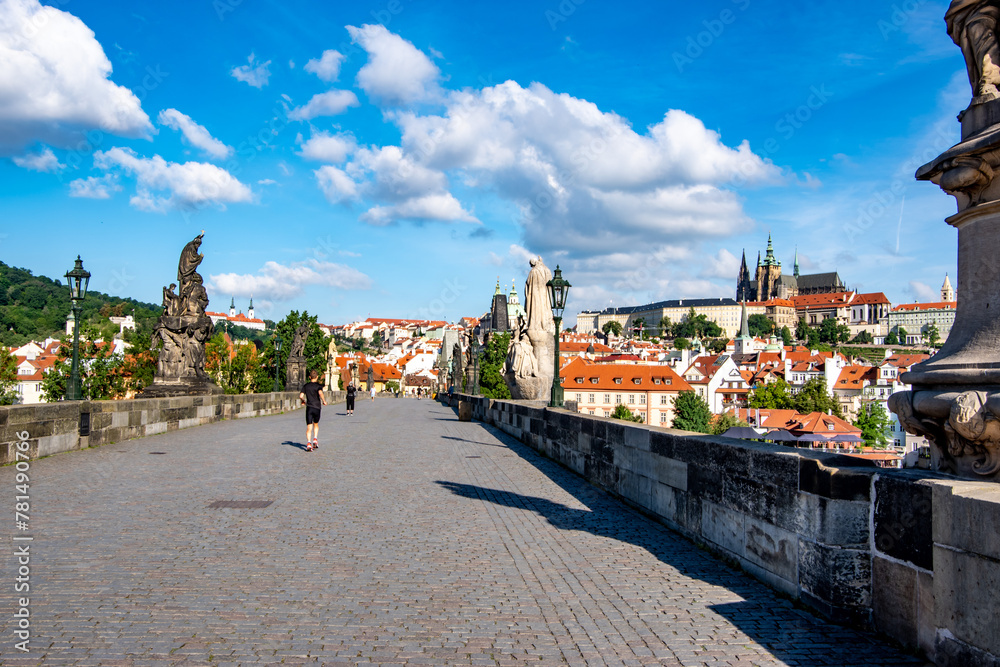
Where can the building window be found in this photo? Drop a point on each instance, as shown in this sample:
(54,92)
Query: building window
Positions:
(607,413)
(631,399)
(618,399)
(663,417)
(663,399)
(642,399)
(607,399)
(579,398)
(592,399)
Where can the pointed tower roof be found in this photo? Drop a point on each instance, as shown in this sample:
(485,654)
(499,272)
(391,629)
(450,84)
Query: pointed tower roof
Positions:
(251,300)
(795,267)
(947,292)
(497,292)
(232,302)
(758,259)
(744,322)
(769,259)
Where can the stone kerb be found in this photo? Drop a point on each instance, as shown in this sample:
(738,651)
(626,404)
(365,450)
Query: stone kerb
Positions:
(65,426)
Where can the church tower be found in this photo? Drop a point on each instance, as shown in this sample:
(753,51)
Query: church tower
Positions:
(743,281)
(795,267)
(250,309)
(232,307)
(768,274)
(947,293)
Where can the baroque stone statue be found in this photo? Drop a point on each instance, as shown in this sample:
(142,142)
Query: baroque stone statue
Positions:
(528,369)
(295,366)
(955,397)
(184,329)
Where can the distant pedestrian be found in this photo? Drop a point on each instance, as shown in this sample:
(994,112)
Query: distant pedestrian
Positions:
(418,393)
(352,391)
(373,393)
(314,400)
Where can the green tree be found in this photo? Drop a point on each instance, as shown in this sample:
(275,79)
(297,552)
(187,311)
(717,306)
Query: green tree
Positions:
(786,335)
(717,345)
(874,424)
(812,338)
(665,326)
(377,340)
(102,375)
(691,413)
(264,373)
(813,397)
(491,382)
(682,343)
(612,327)
(139,365)
(8,377)
(863,338)
(901,333)
(760,325)
(771,396)
(802,330)
(392,386)
(623,413)
(724,422)
(828,330)
(933,335)
(892,339)
(315,348)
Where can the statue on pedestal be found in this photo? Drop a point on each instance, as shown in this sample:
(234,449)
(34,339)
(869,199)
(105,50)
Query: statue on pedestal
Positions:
(955,396)
(295,367)
(184,328)
(529,368)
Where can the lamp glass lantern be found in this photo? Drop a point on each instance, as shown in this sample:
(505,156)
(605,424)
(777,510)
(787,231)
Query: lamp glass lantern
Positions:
(277,350)
(78,280)
(558,291)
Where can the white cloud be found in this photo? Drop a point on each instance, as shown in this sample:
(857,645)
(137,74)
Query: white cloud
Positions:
(280,283)
(330,103)
(335,184)
(440,207)
(266,181)
(397,72)
(924,292)
(724,265)
(45,161)
(254,73)
(196,134)
(327,68)
(326,147)
(190,185)
(95,187)
(54,84)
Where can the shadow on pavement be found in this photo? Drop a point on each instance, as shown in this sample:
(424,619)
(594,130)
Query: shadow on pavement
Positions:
(474,442)
(297,445)
(791,634)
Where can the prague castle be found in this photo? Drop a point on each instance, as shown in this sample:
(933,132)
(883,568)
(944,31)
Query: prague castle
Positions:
(769,283)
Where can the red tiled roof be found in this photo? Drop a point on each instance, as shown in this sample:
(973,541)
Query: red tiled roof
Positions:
(605,374)
(934,305)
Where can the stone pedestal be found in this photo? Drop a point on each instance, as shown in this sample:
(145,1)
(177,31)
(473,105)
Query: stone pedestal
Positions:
(955,400)
(295,373)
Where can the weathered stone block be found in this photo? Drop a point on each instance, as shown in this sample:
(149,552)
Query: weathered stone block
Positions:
(895,599)
(950,651)
(670,472)
(637,437)
(829,482)
(665,502)
(903,520)
(723,527)
(661,443)
(583,443)
(772,548)
(777,468)
(833,522)
(967,516)
(965,594)
(837,578)
(703,482)
(775,505)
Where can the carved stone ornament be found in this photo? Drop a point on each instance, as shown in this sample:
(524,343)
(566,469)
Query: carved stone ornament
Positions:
(295,366)
(184,329)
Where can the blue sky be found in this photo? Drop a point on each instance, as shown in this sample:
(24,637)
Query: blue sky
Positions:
(395,158)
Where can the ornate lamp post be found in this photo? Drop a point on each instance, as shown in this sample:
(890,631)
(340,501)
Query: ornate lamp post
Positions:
(558,290)
(475,361)
(77,279)
(277,350)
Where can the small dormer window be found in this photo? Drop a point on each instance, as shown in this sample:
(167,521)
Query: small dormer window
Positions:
(618,380)
(656,380)
(579,380)
(637,380)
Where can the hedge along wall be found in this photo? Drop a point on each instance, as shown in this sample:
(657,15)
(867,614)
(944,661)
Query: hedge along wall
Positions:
(912,554)
(69,425)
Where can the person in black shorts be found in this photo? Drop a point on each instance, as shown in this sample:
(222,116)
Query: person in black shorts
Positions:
(351,393)
(314,400)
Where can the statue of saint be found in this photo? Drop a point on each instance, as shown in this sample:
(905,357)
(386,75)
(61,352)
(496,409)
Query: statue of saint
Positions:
(170,301)
(190,259)
(972,25)
(536,298)
(521,356)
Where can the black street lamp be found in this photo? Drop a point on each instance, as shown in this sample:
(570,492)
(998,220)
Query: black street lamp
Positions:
(475,360)
(558,289)
(277,350)
(77,279)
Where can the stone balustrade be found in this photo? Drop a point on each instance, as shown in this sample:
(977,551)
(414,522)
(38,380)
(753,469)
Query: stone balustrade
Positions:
(912,554)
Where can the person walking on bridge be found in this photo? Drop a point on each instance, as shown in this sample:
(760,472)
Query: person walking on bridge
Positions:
(352,392)
(314,400)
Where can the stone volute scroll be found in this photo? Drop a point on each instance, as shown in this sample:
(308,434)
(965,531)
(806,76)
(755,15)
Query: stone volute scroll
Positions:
(184,329)
(528,369)
(955,395)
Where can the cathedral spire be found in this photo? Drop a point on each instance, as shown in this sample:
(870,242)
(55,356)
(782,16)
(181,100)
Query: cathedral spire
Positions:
(795,268)
(744,322)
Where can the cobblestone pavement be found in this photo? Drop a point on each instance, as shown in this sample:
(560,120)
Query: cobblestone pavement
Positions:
(407,538)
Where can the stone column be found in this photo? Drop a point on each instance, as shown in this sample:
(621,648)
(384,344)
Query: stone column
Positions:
(955,396)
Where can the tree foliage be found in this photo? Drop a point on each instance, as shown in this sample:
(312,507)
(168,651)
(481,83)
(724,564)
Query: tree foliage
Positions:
(831,332)
(892,339)
(771,396)
(695,325)
(681,343)
(316,345)
(874,424)
(786,335)
(491,382)
(760,325)
(802,330)
(813,397)
(724,422)
(691,413)
(933,335)
(8,377)
(612,327)
(863,338)
(102,374)
(623,413)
